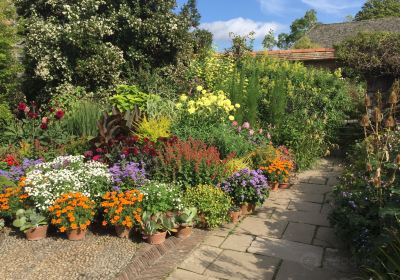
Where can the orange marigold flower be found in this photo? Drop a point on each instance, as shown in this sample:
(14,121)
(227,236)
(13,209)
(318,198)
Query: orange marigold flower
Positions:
(62,229)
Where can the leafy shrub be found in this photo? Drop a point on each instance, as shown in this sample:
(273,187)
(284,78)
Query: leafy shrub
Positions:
(190,162)
(246,186)
(6,117)
(127,97)
(161,197)
(211,202)
(154,129)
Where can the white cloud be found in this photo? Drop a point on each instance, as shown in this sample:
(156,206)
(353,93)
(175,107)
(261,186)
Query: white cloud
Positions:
(333,6)
(273,6)
(240,26)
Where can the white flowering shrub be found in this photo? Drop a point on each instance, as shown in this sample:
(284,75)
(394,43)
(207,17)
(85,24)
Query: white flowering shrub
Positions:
(90,43)
(48,181)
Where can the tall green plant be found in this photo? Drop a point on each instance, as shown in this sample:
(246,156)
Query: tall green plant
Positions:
(82,119)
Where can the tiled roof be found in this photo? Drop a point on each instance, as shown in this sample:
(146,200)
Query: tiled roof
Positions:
(301,54)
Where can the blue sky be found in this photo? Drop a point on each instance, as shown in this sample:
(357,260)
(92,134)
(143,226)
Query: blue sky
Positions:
(242,16)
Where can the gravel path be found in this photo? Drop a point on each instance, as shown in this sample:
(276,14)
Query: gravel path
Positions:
(100,256)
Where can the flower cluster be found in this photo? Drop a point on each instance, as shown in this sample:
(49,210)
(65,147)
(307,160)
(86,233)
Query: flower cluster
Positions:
(191,162)
(161,197)
(11,160)
(278,170)
(12,199)
(246,186)
(256,136)
(122,208)
(48,181)
(16,172)
(208,103)
(33,112)
(126,176)
(72,211)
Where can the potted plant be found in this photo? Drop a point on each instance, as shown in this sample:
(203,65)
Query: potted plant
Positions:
(278,172)
(72,213)
(235,213)
(33,224)
(122,210)
(184,222)
(155,227)
(247,188)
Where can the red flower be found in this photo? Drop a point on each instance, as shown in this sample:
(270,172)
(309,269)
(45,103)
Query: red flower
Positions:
(33,115)
(125,151)
(59,114)
(11,160)
(99,150)
(44,126)
(22,106)
(135,151)
(96,158)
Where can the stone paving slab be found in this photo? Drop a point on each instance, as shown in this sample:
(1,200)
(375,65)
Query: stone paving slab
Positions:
(294,195)
(312,188)
(238,265)
(296,271)
(281,203)
(200,259)
(301,217)
(336,260)
(238,242)
(214,240)
(260,227)
(297,232)
(305,206)
(181,274)
(325,237)
(287,250)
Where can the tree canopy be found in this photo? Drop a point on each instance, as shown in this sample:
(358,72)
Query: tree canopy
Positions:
(373,9)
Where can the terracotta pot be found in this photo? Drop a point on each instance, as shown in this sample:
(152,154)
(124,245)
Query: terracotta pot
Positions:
(183,232)
(274,186)
(76,234)
(247,208)
(235,215)
(37,233)
(284,185)
(122,232)
(155,239)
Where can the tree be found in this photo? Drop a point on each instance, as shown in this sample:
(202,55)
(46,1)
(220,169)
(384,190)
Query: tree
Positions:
(298,29)
(96,44)
(9,66)
(269,41)
(241,46)
(305,43)
(373,9)
(203,40)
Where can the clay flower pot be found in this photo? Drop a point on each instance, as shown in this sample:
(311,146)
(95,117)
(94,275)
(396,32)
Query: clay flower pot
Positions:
(284,185)
(37,233)
(274,186)
(156,239)
(183,232)
(235,215)
(76,234)
(122,232)
(247,208)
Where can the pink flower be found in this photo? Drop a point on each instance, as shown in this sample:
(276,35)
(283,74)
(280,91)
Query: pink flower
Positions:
(235,123)
(268,135)
(251,132)
(45,120)
(239,129)
(88,154)
(99,150)
(27,109)
(246,125)
(96,158)
(260,131)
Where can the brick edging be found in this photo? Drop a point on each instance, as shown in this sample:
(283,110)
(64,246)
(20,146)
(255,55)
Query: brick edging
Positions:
(148,255)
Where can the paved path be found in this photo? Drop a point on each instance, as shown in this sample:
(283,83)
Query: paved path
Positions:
(289,238)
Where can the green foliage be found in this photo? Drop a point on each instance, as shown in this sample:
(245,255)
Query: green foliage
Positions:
(157,107)
(372,53)
(241,47)
(212,204)
(305,43)
(186,216)
(154,223)
(28,219)
(127,97)
(81,120)
(374,9)
(298,29)
(269,41)
(161,197)
(154,129)
(6,116)
(9,66)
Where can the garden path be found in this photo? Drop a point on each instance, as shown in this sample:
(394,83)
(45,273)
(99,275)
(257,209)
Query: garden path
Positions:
(288,238)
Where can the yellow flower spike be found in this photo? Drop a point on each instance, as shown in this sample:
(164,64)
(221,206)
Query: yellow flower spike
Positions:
(183,98)
(199,88)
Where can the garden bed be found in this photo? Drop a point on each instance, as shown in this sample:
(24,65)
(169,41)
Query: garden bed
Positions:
(99,256)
